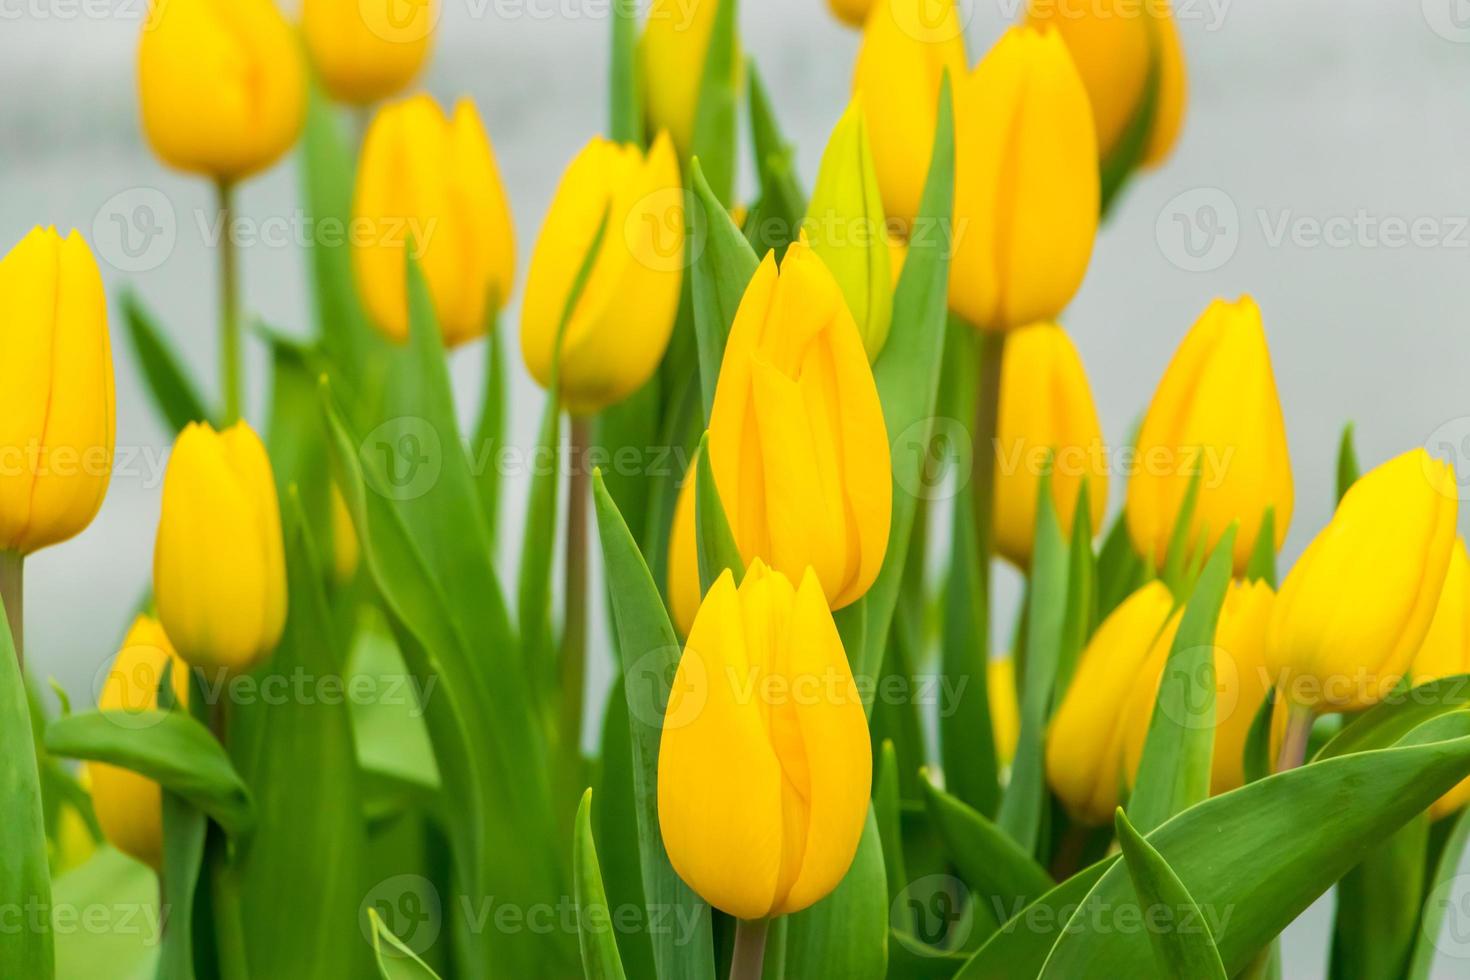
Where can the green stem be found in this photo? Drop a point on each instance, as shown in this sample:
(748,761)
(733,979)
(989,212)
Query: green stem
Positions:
(574,635)
(229,307)
(750,949)
(12,591)
(228,922)
(1298,731)
(987,419)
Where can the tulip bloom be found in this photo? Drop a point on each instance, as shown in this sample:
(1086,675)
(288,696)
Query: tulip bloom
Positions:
(129,806)
(846,227)
(1446,652)
(1216,412)
(1356,607)
(57,411)
(430,184)
(1026,183)
(683,582)
(219,571)
(1045,405)
(361,52)
(1086,740)
(765,763)
(853,12)
(620,325)
(797,440)
(221,85)
(1113,43)
(907,47)
(675,43)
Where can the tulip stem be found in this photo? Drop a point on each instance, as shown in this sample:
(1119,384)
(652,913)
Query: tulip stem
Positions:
(750,949)
(987,420)
(1294,744)
(229,306)
(574,635)
(12,591)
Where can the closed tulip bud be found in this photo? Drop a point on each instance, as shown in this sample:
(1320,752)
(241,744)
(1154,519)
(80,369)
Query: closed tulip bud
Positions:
(618,329)
(683,584)
(429,183)
(221,86)
(346,552)
(361,51)
(907,47)
(765,763)
(1113,43)
(219,572)
(797,440)
(1446,652)
(1357,605)
(1045,406)
(1215,414)
(1086,740)
(845,226)
(129,806)
(57,413)
(675,43)
(853,12)
(1027,187)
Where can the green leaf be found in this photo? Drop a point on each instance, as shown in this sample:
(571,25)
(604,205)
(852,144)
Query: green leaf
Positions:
(1132,146)
(1019,948)
(1262,565)
(110,880)
(1378,902)
(1397,715)
(1348,469)
(25,885)
(1120,569)
(184,828)
(1181,951)
(776,219)
(1440,888)
(994,867)
(714,119)
(845,934)
(912,959)
(1258,740)
(907,374)
(490,431)
(169,386)
(722,269)
(398,962)
(887,810)
(650,653)
(170,748)
(716,543)
(1175,572)
(615,826)
(600,959)
(625,96)
(1081,596)
(1174,771)
(1021,808)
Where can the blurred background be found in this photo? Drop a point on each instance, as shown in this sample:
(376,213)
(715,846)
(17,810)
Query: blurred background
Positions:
(1322,168)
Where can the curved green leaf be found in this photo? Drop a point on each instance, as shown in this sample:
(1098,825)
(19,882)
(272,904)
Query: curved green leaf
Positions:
(1262,564)
(989,861)
(399,962)
(25,885)
(845,934)
(1348,468)
(1438,889)
(722,268)
(1183,947)
(600,959)
(1020,947)
(625,115)
(716,543)
(1258,740)
(714,116)
(169,386)
(887,810)
(1377,914)
(1397,715)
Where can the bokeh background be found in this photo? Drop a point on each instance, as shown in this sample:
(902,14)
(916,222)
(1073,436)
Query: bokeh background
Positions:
(1324,168)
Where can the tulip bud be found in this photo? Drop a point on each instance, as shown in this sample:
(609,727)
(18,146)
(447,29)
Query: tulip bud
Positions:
(675,44)
(1446,652)
(683,584)
(57,412)
(346,552)
(906,48)
(620,325)
(845,226)
(1215,413)
(1113,43)
(1045,406)
(221,86)
(853,12)
(1005,706)
(765,763)
(129,806)
(219,571)
(1085,743)
(1357,605)
(430,184)
(362,53)
(1026,183)
(797,440)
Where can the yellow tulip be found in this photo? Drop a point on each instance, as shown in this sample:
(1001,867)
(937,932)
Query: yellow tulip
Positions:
(620,325)
(363,52)
(1112,43)
(219,575)
(1357,605)
(221,85)
(1446,652)
(57,411)
(797,440)
(683,582)
(346,552)
(1086,740)
(675,42)
(1005,706)
(853,12)
(846,227)
(1026,183)
(906,48)
(129,806)
(765,763)
(430,184)
(1215,412)
(1045,406)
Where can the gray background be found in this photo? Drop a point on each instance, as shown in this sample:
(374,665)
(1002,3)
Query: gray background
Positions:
(1346,115)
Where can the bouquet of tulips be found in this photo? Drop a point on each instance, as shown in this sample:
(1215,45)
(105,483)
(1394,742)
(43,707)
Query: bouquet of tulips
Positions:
(336,743)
